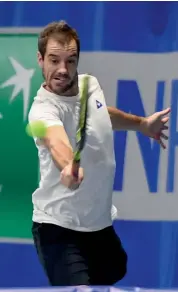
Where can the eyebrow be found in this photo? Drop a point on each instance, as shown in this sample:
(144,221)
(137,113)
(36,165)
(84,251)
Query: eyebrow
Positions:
(71,56)
(52,55)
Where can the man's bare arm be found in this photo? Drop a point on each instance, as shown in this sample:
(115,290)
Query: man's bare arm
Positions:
(124,121)
(59,146)
(152,126)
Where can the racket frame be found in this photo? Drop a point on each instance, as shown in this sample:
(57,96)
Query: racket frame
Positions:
(81,130)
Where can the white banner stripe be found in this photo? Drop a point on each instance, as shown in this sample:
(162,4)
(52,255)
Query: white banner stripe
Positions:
(16,240)
(20,30)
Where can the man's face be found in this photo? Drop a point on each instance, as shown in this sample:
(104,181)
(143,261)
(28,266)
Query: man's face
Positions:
(59,65)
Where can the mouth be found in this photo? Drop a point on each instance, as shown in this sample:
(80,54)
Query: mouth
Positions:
(61,81)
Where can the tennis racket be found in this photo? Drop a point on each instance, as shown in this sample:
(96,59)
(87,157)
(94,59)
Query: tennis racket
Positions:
(81,129)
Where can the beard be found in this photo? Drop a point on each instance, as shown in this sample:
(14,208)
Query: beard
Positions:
(67,90)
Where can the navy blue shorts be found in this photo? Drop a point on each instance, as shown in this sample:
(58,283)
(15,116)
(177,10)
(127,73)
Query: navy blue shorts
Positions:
(72,258)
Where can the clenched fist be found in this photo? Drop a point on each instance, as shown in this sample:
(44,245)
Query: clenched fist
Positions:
(69,179)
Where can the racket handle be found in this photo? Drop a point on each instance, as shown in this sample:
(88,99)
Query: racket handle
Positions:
(75,168)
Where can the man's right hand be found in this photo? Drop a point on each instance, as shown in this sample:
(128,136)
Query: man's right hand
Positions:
(69,180)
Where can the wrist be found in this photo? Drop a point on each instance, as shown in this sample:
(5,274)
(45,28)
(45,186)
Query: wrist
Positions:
(137,123)
(141,124)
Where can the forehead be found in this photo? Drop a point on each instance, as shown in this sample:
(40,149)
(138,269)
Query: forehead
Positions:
(58,47)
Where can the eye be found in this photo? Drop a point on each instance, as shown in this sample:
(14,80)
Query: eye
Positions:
(54,61)
(71,61)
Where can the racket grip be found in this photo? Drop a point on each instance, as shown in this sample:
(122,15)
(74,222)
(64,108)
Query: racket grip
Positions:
(75,168)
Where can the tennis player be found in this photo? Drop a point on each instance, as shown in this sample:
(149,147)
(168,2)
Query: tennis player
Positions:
(72,223)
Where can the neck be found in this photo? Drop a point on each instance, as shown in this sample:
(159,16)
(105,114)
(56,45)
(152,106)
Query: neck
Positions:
(70,92)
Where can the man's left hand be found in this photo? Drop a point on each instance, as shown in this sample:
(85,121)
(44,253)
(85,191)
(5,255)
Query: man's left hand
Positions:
(155,125)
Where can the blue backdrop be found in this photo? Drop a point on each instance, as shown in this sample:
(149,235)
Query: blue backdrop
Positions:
(122,27)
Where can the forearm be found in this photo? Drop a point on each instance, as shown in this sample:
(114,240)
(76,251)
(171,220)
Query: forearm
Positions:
(62,154)
(124,121)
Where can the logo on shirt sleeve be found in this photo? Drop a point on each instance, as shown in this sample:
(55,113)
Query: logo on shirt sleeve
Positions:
(98,104)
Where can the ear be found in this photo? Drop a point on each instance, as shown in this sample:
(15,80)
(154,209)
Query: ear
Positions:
(40,60)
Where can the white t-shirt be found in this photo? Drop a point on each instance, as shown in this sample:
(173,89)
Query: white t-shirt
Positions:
(89,207)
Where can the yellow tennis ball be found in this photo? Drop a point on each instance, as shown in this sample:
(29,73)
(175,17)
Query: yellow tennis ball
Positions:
(36,129)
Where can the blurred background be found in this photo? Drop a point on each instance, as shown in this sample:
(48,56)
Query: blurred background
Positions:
(131,47)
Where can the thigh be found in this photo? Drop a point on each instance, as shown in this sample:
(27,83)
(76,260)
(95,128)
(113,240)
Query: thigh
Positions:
(116,255)
(60,254)
(109,264)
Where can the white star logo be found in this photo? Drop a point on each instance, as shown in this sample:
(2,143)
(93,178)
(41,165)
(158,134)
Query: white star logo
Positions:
(21,81)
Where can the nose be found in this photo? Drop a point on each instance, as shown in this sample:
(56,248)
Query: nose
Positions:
(62,69)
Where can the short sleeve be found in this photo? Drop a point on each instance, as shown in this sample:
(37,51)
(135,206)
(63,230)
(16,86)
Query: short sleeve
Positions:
(50,114)
(96,90)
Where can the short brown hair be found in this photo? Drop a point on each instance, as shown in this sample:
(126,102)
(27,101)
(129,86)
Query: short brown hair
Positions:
(55,29)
